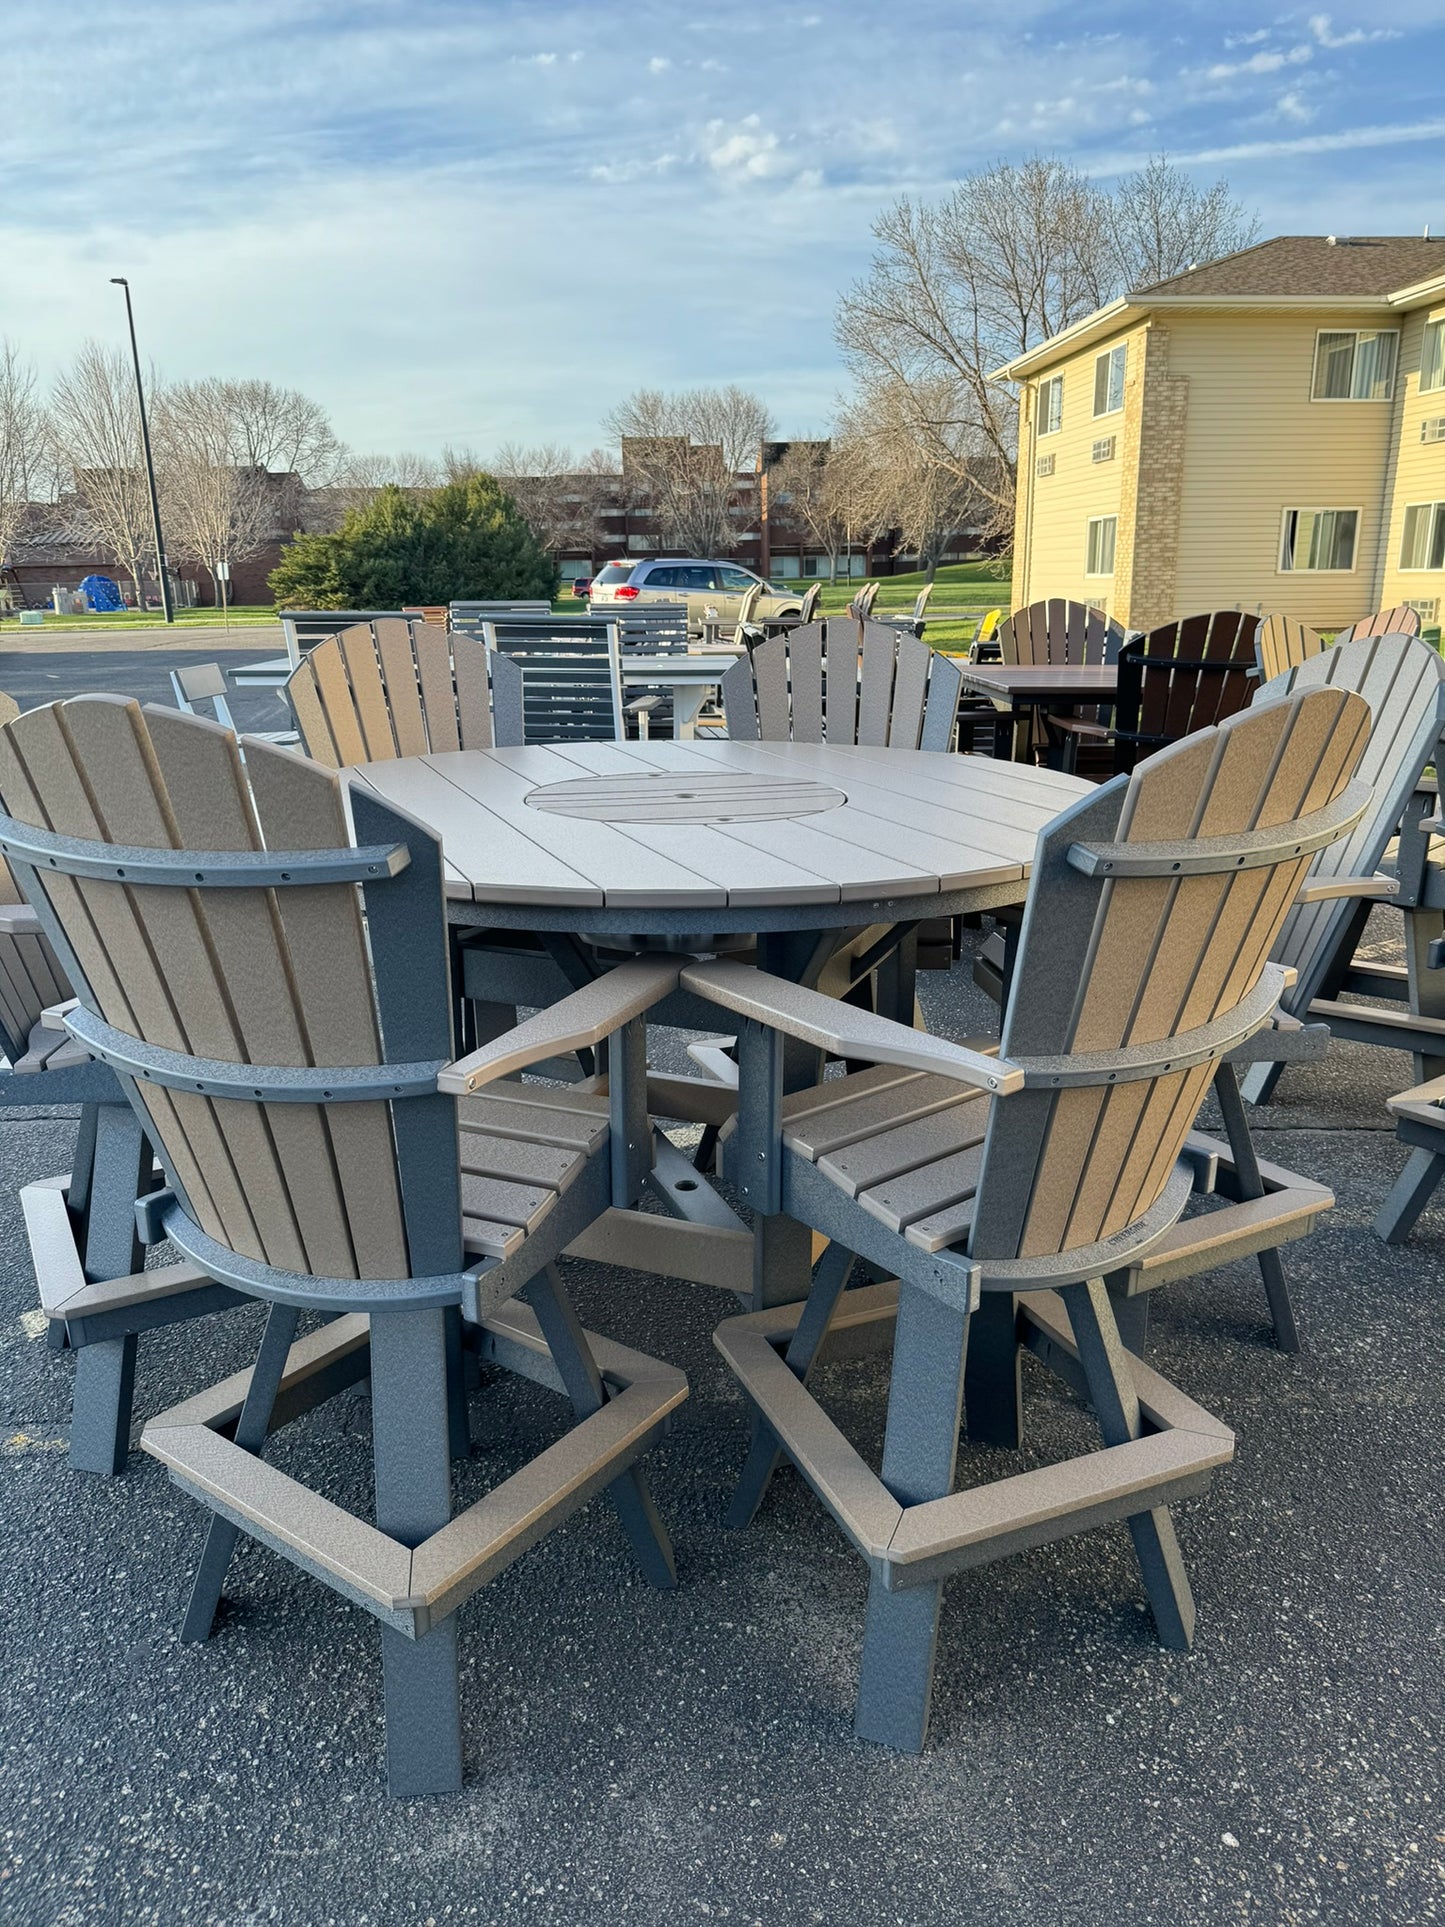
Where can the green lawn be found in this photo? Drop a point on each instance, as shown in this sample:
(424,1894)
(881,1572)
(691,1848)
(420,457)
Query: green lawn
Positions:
(148,618)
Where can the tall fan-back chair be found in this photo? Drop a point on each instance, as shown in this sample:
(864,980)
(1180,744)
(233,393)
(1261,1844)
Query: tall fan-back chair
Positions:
(391,688)
(843,681)
(95,1296)
(1181,677)
(1151,911)
(274,1001)
(1403,681)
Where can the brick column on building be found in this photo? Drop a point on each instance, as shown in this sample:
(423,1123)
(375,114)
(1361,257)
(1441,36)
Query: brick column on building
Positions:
(1151,448)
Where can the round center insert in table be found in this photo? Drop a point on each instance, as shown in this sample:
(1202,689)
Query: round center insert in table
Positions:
(670,798)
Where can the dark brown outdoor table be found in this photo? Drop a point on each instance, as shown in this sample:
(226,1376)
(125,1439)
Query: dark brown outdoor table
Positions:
(1014,688)
(693,846)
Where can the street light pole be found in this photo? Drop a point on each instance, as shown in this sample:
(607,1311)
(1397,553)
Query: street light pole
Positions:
(119,281)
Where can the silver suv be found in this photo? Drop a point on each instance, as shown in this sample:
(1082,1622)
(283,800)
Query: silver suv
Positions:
(713,591)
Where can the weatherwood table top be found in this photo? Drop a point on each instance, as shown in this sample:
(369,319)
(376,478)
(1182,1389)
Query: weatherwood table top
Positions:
(1042,682)
(721,836)
(645,666)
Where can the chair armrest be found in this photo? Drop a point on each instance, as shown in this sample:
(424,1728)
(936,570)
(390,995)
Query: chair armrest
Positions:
(1078,726)
(18,920)
(1325,887)
(574,1023)
(54,1018)
(842,1028)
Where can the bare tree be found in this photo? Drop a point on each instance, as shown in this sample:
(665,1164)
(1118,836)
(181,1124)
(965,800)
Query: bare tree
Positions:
(218,509)
(545,484)
(282,430)
(24,433)
(814,494)
(1162,223)
(686,451)
(896,483)
(359,479)
(96,427)
(1015,254)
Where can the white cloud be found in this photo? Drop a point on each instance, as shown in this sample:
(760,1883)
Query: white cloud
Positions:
(539,60)
(1246,39)
(614,173)
(1390,135)
(658,64)
(1125,84)
(1321,25)
(748,152)
(1260,63)
(1294,106)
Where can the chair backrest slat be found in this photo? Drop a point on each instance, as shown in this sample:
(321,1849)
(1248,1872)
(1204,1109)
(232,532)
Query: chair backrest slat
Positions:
(1403,681)
(395,687)
(910,693)
(875,689)
(1106,963)
(248,976)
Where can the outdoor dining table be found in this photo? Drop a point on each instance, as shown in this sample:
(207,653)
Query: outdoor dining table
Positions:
(1018,688)
(708,845)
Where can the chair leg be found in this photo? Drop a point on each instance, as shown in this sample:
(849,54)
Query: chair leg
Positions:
(920,1450)
(764,1451)
(1116,1404)
(251,1430)
(459,1425)
(411,1438)
(1259,1081)
(1409,1195)
(101,1400)
(1131,1315)
(1287,1334)
(993,1376)
(104,1388)
(629,1493)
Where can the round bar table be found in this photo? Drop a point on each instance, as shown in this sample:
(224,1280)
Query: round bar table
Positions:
(699,846)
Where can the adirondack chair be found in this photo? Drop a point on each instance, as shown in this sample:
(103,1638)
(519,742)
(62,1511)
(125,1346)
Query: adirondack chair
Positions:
(808,609)
(1179,678)
(861,606)
(385,689)
(893,689)
(1151,911)
(1282,643)
(1060,631)
(1401,620)
(1403,681)
(1419,1116)
(205,682)
(274,999)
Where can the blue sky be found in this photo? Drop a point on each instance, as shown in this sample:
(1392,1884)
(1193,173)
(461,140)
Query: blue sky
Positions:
(476,220)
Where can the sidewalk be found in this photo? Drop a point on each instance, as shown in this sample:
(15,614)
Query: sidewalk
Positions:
(193,637)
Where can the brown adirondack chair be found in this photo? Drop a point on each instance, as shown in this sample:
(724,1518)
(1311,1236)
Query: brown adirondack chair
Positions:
(390,688)
(1152,908)
(1180,677)
(1401,620)
(274,999)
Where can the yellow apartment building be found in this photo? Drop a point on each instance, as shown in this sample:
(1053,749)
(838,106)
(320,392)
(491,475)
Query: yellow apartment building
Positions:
(1266,432)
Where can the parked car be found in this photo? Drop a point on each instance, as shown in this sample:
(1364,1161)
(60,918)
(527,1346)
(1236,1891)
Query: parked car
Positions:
(713,591)
(582,587)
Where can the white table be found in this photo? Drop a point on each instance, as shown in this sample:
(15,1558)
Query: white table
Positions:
(688,677)
(689,845)
(691,838)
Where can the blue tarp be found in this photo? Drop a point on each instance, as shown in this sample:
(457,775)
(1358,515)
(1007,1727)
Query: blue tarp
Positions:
(101,593)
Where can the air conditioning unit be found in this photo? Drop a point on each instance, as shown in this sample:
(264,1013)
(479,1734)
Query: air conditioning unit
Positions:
(1426,608)
(1433,429)
(1044,466)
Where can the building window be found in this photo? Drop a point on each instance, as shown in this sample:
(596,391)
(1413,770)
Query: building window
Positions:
(1104,449)
(1051,405)
(1433,429)
(1102,531)
(1432,357)
(1423,545)
(1356,364)
(1109,379)
(1044,465)
(1319,539)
